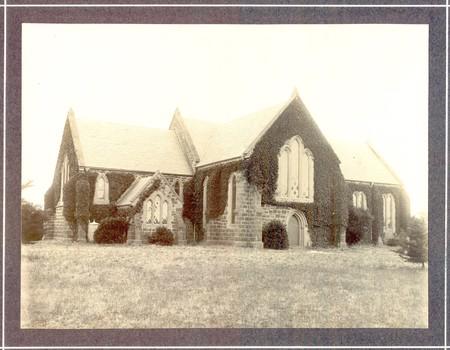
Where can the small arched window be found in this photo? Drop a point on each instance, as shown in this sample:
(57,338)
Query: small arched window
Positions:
(359,200)
(157,210)
(101,190)
(148,211)
(165,213)
(179,188)
(232,199)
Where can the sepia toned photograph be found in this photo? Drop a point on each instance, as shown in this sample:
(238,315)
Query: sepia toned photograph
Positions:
(224,176)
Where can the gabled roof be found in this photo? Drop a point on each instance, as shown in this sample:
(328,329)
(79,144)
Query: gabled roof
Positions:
(140,184)
(127,147)
(360,162)
(217,142)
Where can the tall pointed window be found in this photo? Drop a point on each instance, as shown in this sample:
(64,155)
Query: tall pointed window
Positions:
(101,189)
(157,210)
(295,172)
(283,171)
(65,174)
(359,200)
(232,200)
(148,211)
(389,213)
(165,213)
(178,186)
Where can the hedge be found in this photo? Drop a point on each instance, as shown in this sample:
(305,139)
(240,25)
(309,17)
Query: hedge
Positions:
(111,230)
(162,236)
(274,235)
(359,220)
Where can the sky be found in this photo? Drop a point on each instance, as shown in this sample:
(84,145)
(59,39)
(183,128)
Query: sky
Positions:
(359,82)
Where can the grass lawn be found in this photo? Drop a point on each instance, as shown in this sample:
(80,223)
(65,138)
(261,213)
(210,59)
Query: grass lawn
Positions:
(66,285)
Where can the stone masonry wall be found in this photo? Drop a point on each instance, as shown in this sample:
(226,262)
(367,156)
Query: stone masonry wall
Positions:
(247,228)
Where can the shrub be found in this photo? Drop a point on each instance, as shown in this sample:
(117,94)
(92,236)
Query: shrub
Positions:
(393,242)
(415,245)
(162,236)
(32,223)
(274,235)
(359,221)
(111,230)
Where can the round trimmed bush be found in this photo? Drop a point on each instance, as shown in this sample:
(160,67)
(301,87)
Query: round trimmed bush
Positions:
(111,230)
(274,235)
(162,236)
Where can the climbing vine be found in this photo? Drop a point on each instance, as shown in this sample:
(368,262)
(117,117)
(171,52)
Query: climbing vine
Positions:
(217,192)
(329,211)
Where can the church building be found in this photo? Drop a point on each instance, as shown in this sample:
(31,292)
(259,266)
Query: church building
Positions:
(219,183)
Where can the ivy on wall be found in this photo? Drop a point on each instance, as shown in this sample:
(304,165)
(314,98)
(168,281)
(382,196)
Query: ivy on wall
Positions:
(329,211)
(325,216)
(217,192)
(118,183)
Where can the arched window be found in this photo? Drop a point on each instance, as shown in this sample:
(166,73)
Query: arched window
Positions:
(232,200)
(165,212)
(148,211)
(309,175)
(283,171)
(295,172)
(205,201)
(178,188)
(359,200)
(65,174)
(157,210)
(101,189)
(389,213)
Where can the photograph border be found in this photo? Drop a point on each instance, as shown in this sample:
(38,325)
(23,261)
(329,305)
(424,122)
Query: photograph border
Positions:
(434,16)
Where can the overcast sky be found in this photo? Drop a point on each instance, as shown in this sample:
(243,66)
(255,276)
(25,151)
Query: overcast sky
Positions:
(363,82)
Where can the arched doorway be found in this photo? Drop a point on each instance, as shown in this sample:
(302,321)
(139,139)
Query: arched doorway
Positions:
(297,229)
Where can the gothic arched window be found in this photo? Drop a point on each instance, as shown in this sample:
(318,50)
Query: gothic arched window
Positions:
(101,190)
(157,210)
(232,199)
(359,200)
(295,172)
(389,212)
(165,212)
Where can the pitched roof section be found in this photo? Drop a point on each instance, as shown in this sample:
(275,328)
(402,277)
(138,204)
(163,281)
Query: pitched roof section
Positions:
(217,142)
(127,147)
(140,184)
(360,162)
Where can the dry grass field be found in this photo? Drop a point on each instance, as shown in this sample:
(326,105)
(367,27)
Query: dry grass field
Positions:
(66,285)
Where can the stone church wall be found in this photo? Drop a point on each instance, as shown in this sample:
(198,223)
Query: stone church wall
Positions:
(247,228)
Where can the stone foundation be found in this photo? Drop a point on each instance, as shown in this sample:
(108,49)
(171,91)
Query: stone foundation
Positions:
(57,228)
